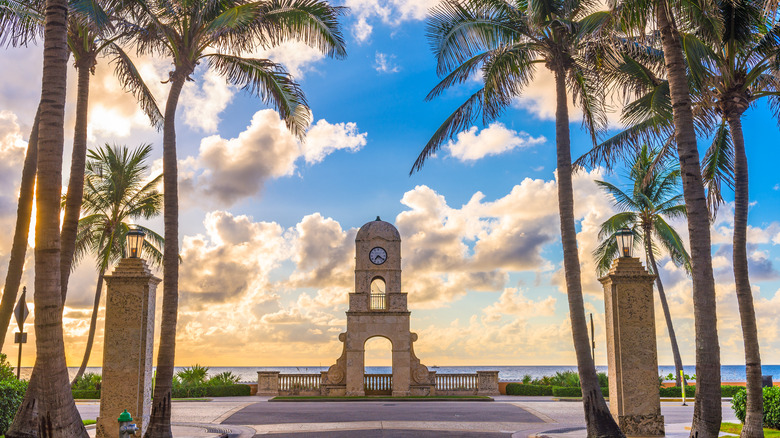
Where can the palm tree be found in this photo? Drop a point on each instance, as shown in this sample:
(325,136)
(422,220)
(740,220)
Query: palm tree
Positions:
(13,276)
(115,191)
(654,197)
(91,33)
(506,40)
(189,32)
(48,407)
(728,76)
(663,16)
(742,69)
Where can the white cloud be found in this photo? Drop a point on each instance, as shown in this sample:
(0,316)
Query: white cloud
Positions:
(204,100)
(323,138)
(383,63)
(392,12)
(496,139)
(228,170)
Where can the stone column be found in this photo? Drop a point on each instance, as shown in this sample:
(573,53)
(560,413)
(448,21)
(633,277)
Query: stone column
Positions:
(268,383)
(487,383)
(631,348)
(127,346)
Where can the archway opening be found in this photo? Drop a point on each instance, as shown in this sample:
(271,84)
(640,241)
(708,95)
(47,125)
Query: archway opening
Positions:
(378,357)
(378,297)
(378,360)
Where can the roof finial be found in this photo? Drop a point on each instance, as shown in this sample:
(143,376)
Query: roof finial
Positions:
(377,218)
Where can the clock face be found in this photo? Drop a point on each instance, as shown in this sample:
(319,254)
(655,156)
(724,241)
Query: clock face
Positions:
(377,255)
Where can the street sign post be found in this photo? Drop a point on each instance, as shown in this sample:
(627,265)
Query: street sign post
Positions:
(21,312)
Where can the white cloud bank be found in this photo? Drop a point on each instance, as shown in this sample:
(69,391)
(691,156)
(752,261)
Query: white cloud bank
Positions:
(496,139)
(229,170)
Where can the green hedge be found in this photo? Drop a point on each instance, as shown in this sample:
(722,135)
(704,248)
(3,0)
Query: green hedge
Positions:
(567,391)
(690,391)
(85,393)
(210,391)
(522,389)
(771,406)
(676,391)
(11,395)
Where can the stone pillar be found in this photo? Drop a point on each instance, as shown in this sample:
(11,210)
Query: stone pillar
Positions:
(127,346)
(268,383)
(487,383)
(631,348)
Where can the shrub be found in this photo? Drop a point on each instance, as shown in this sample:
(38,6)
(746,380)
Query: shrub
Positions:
(771,406)
(85,394)
(527,379)
(6,370)
(603,380)
(674,391)
(192,376)
(228,390)
(518,389)
(210,391)
(11,395)
(224,379)
(729,391)
(87,381)
(567,391)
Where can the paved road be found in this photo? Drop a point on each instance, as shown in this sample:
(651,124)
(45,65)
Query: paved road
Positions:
(508,416)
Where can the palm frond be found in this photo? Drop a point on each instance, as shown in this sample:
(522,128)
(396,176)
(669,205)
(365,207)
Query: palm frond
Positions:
(132,82)
(271,82)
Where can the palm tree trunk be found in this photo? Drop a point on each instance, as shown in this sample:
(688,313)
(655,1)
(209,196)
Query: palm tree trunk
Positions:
(22,231)
(678,367)
(47,409)
(78,160)
(92,326)
(754,415)
(597,416)
(160,421)
(707,409)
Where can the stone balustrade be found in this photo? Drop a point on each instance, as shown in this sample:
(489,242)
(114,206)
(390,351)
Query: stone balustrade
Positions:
(272,383)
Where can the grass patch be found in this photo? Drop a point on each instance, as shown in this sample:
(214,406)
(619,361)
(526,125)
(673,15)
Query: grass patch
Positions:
(190,399)
(88,422)
(736,429)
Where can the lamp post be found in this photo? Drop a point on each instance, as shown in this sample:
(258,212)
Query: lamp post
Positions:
(625,238)
(135,242)
(128,341)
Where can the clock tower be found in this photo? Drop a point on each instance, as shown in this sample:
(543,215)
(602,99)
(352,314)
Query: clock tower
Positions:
(377,307)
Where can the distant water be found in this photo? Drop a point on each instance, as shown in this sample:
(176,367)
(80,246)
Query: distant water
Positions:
(729,373)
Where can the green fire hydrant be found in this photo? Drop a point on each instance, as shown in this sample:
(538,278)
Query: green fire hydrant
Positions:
(126,429)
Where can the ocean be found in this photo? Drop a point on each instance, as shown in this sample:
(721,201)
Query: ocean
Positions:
(729,373)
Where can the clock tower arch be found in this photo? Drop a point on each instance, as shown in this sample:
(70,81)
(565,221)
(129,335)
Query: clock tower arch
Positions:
(375,311)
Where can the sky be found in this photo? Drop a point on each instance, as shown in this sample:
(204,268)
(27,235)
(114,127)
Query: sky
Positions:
(267,224)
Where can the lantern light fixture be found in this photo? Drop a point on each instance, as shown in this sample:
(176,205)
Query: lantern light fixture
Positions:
(135,242)
(625,240)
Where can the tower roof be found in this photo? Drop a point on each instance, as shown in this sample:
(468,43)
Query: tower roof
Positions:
(378,228)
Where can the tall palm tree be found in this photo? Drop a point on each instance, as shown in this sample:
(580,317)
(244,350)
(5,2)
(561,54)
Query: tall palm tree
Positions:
(728,75)
(18,27)
(13,276)
(219,33)
(663,16)
(115,191)
(91,33)
(653,198)
(48,407)
(743,69)
(506,40)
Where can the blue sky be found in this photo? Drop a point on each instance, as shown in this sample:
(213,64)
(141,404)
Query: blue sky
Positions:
(267,224)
